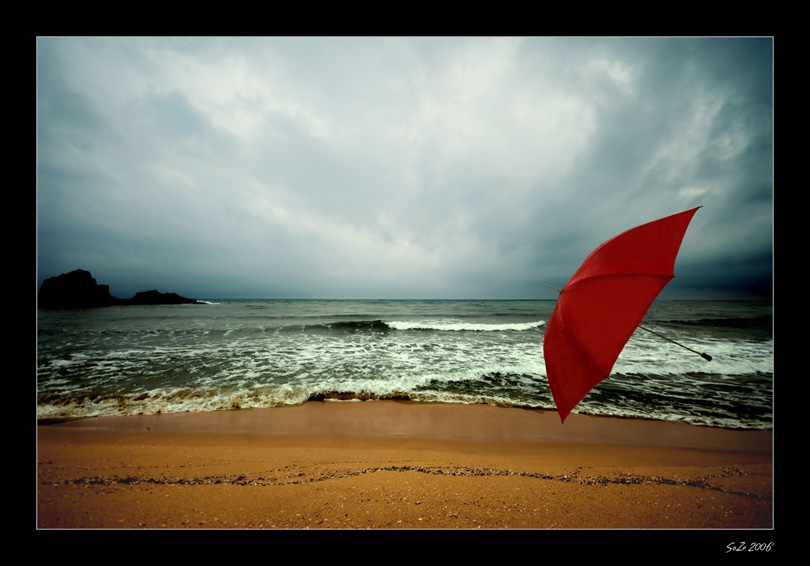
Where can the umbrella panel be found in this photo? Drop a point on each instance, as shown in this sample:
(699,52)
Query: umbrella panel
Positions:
(593,320)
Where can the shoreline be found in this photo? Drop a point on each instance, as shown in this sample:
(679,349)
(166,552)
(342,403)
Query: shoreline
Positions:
(396,465)
(471,422)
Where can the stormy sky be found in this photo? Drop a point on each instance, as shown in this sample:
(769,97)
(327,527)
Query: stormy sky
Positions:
(399,167)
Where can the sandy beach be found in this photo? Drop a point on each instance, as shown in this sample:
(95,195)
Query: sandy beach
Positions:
(391,465)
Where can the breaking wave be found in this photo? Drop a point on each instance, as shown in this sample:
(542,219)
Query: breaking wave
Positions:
(420,325)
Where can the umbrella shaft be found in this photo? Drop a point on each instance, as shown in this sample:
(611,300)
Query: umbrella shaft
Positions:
(704,356)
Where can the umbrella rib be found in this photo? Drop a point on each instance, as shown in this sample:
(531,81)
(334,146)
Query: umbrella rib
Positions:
(705,356)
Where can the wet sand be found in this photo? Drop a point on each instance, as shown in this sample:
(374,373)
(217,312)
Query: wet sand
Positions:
(390,465)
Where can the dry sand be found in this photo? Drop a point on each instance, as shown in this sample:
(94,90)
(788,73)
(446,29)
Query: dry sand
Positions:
(389,465)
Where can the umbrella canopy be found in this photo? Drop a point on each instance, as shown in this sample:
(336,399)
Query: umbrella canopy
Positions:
(603,303)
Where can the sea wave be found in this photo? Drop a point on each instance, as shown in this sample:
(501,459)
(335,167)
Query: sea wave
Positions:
(521,387)
(435,325)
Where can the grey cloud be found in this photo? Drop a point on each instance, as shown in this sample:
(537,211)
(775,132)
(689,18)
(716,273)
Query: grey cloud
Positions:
(395,167)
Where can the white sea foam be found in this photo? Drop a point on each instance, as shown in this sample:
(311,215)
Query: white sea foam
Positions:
(443,325)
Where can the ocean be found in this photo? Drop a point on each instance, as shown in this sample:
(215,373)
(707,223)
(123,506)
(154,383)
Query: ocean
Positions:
(243,354)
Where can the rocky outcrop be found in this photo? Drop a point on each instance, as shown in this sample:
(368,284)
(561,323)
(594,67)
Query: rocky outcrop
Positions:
(79,290)
(157,298)
(76,289)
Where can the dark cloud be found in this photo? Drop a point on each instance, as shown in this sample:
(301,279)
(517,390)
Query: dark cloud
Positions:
(398,167)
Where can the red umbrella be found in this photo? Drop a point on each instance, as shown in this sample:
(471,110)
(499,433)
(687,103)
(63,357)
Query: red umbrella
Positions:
(603,303)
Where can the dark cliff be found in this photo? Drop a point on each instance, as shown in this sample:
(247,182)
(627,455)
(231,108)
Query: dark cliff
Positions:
(77,289)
